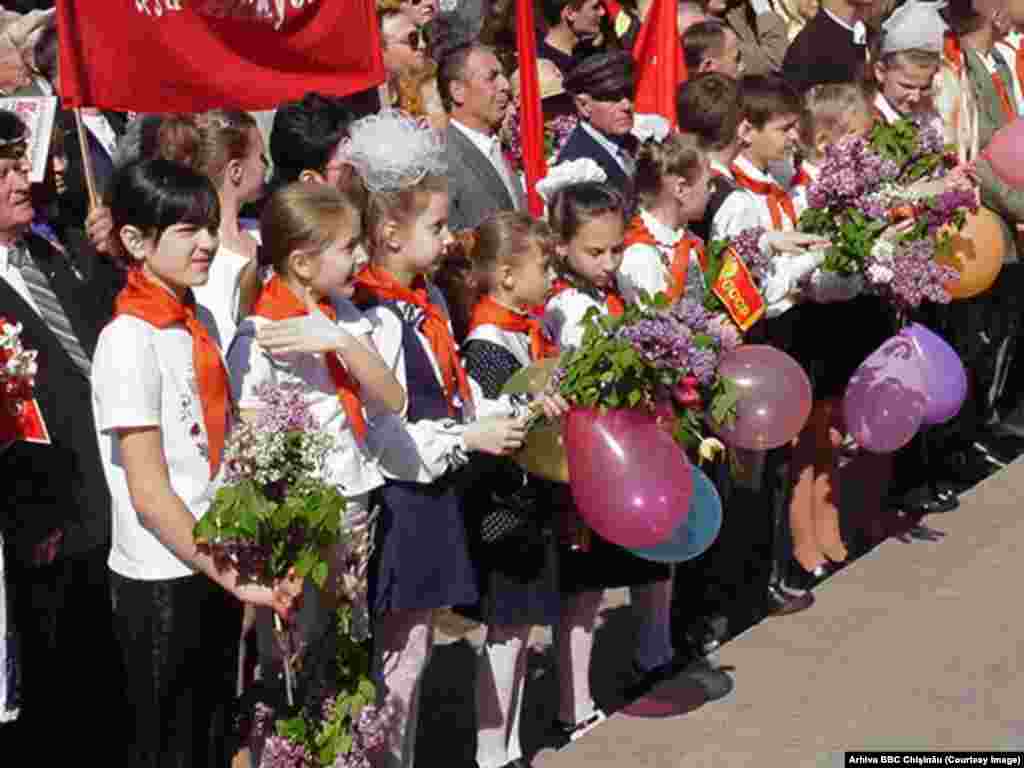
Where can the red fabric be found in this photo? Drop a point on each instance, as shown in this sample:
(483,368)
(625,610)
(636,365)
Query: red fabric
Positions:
(213,53)
(531,117)
(489,312)
(778,201)
(638,233)
(613,300)
(952,52)
(658,53)
(278,302)
(1004,97)
(382,285)
(144,299)
(1019,64)
(802,178)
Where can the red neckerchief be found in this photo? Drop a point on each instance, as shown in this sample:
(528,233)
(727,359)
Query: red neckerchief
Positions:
(778,201)
(952,52)
(1004,95)
(1019,64)
(954,55)
(382,285)
(680,265)
(148,301)
(277,302)
(802,178)
(613,301)
(487,311)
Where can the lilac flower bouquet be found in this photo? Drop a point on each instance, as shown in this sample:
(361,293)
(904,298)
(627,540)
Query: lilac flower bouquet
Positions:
(898,173)
(654,353)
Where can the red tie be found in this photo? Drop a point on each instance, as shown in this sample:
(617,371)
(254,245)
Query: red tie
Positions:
(778,201)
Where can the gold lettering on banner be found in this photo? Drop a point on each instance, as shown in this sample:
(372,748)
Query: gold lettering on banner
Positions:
(732,291)
(273,12)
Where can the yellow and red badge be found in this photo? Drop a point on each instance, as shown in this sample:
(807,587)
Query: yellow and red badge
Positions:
(735,288)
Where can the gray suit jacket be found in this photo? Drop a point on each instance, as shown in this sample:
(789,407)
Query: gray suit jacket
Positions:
(475,190)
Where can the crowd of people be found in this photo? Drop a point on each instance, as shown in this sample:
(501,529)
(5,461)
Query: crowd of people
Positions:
(389,269)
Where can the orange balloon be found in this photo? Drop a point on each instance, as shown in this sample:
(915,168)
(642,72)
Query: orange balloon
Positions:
(976,252)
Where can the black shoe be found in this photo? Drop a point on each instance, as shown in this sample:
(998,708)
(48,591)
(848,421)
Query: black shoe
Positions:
(801,580)
(519,762)
(645,679)
(714,682)
(930,501)
(1003,448)
(783,603)
(564,733)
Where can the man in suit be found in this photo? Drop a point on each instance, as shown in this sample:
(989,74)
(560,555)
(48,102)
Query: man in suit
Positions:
(475,93)
(56,521)
(602,86)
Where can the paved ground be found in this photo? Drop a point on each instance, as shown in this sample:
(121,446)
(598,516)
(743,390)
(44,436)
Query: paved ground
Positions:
(915,645)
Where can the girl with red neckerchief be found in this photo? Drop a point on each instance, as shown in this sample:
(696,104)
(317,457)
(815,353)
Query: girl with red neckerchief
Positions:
(163,408)
(589,222)
(421,558)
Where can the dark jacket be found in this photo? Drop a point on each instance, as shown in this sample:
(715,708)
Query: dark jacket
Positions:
(581,144)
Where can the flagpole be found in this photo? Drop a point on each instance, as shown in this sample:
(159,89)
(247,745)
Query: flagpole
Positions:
(83,145)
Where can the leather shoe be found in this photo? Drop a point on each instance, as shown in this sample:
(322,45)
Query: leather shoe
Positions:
(519,762)
(783,603)
(801,579)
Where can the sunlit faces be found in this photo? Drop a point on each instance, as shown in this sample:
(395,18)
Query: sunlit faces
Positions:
(483,92)
(612,117)
(403,45)
(180,259)
(425,236)
(253,168)
(595,253)
(772,143)
(529,279)
(335,266)
(586,22)
(16,211)
(694,195)
(907,86)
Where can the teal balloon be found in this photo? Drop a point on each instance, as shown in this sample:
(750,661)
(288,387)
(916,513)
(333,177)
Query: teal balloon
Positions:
(698,530)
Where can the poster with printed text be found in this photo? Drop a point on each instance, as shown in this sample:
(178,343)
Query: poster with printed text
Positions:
(38,113)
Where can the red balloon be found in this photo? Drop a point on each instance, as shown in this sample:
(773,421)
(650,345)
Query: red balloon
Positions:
(774,397)
(1005,153)
(630,481)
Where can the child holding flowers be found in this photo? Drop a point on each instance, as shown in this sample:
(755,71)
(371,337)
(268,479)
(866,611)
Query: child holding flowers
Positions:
(589,222)
(421,560)
(162,404)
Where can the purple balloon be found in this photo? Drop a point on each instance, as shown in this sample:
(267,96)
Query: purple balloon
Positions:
(630,481)
(886,399)
(944,374)
(774,397)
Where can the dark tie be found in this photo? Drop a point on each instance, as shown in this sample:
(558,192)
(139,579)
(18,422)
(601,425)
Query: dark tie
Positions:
(49,306)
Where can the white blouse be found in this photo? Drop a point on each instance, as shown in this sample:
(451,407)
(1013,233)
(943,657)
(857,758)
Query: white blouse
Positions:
(421,451)
(644,266)
(351,465)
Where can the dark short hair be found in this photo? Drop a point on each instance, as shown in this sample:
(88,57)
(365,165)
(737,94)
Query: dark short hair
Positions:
(155,194)
(703,39)
(451,66)
(710,106)
(576,204)
(305,134)
(768,96)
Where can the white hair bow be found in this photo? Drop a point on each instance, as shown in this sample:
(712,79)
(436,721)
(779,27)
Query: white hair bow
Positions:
(569,173)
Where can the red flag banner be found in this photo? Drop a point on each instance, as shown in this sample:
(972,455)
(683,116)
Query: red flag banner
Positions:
(531,117)
(660,69)
(193,55)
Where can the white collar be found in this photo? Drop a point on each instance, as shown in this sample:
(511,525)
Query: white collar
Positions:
(859,31)
(887,110)
(662,234)
(610,146)
(6,250)
(720,167)
(753,171)
(480,140)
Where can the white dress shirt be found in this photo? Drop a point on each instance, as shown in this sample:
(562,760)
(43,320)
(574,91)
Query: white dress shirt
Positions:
(490,147)
(644,266)
(621,156)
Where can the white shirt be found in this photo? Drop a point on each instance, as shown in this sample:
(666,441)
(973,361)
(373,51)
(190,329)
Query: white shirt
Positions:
(743,209)
(858,30)
(490,147)
(421,451)
(350,466)
(100,129)
(564,313)
(220,295)
(621,156)
(143,376)
(644,266)
(12,275)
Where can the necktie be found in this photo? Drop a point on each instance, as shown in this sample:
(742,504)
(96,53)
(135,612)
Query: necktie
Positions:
(497,158)
(50,308)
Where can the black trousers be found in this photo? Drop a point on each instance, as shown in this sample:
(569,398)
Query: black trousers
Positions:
(179,642)
(70,670)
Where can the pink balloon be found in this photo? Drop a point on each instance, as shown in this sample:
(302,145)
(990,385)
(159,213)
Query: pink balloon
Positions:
(944,374)
(1005,153)
(775,397)
(886,399)
(630,481)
